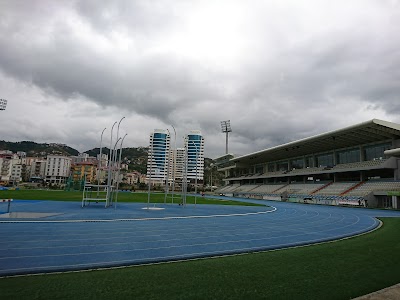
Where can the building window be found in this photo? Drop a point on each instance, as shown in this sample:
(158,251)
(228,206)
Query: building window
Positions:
(309,162)
(376,151)
(348,156)
(297,163)
(325,160)
(259,169)
(283,166)
(271,167)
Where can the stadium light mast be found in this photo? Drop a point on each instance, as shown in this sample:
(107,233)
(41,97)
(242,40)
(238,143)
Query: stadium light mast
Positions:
(3,104)
(226,127)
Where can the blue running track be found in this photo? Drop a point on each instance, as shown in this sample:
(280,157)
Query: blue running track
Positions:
(69,237)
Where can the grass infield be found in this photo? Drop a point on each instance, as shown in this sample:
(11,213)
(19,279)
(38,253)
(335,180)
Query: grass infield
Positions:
(122,197)
(336,270)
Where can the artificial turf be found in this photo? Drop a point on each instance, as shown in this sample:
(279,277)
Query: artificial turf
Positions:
(336,270)
(122,197)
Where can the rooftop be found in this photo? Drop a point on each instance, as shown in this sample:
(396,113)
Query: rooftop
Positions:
(363,133)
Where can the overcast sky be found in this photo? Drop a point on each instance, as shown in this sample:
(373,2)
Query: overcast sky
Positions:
(278,70)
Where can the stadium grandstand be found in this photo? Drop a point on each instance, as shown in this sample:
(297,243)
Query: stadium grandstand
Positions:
(355,166)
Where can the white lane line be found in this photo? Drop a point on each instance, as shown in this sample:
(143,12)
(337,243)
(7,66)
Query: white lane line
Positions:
(192,245)
(255,226)
(177,258)
(142,219)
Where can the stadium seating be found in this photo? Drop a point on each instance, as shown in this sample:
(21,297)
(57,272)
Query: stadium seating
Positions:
(336,188)
(372,186)
(267,188)
(359,165)
(305,171)
(302,188)
(245,188)
(227,188)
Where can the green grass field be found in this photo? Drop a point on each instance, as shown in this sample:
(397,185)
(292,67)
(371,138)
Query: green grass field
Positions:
(122,197)
(337,270)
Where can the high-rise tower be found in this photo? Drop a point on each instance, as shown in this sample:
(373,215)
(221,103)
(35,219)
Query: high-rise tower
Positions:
(158,156)
(194,143)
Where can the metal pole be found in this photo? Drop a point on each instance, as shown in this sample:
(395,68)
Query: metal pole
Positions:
(195,180)
(149,169)
(167,177)
(118,169)
(114,160)
(185,173)
(173,167)
(226,151)
(211,185)
(112,180)
(109,167)
(148,192)
(99,164)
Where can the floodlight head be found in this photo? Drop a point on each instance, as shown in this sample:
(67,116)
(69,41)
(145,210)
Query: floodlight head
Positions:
(226,126)
(3,104)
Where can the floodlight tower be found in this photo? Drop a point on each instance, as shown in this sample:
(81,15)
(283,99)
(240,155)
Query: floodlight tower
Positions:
(3,104)
(226,127)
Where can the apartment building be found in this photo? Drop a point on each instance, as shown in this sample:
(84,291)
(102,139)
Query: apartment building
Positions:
(57,168)
(84,171)
(158,156)
(194,143)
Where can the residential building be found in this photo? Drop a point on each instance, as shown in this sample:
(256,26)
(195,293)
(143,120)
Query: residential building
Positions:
(179,166)
(6,152)
(84,171)
(132,178)
(57,168)
(38,170)
(158,157)
(194,142)
(5,167)
(16,173)
(83,157)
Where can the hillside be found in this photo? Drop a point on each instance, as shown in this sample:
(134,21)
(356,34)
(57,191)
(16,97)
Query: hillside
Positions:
(38,150)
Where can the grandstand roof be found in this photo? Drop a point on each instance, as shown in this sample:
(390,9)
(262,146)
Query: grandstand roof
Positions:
(367,132)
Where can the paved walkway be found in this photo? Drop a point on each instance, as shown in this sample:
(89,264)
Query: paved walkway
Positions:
(390,293)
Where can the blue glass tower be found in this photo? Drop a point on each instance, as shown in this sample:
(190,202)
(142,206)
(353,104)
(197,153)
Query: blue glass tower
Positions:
(195,155)
(158,156)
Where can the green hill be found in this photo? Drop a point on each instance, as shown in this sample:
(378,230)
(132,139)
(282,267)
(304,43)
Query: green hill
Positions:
(38,150)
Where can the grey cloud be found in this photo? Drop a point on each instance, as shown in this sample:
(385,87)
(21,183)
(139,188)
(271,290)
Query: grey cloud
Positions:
(137,17)
(302,88)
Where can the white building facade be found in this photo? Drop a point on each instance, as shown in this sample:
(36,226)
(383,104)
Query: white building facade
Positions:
(179,164)
(16,172)
(194,143)
(57,168)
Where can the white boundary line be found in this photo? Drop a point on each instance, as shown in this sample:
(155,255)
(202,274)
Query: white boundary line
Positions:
(380,223)
(141,219)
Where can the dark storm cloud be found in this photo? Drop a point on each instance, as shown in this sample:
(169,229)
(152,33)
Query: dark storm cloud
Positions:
(154,86)
(305,69)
